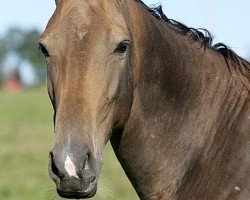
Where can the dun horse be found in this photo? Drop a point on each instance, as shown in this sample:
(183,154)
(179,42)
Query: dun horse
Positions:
(176,108)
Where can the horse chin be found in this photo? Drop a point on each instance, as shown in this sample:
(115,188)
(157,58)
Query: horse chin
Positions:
(78,194)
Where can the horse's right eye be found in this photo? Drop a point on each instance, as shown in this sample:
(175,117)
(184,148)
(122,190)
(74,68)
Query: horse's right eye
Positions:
(44,51)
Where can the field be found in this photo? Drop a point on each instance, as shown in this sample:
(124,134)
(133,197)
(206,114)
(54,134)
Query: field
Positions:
(26,136)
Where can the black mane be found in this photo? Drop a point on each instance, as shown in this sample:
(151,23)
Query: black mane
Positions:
(201,35)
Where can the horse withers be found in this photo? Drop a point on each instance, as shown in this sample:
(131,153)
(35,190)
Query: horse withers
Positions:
(175,108)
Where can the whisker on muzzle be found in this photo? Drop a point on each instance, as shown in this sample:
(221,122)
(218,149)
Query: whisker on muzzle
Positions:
(104,192)
(51,193)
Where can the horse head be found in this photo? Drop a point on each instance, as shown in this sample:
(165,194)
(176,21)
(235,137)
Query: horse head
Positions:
(87,48)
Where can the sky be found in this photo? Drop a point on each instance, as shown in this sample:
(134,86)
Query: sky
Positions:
(227,20)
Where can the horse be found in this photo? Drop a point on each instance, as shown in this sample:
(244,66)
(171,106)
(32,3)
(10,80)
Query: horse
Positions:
(175,107)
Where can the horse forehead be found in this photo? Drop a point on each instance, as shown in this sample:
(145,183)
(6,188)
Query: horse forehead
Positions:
(79,17)
(70,16)
(84,13)
(73,12)
(85,7)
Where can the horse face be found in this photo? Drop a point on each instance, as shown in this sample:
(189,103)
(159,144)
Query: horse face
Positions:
(86,44)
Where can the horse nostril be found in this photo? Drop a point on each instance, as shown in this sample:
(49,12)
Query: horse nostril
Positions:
(54,168)
(85,162)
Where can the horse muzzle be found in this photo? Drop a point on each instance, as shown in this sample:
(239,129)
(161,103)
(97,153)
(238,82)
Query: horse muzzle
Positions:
(74,173)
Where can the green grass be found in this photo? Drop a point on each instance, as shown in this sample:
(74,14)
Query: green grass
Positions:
(26,136)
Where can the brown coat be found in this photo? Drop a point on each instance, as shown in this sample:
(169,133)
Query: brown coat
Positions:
(177,110)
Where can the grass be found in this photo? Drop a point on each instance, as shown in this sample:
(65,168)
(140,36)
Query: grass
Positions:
(26,136)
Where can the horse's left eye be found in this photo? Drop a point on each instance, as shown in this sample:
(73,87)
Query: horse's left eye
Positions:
(122,47)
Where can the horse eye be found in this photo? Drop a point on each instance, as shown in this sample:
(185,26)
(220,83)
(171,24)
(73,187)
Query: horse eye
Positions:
(122,47)
(44,51)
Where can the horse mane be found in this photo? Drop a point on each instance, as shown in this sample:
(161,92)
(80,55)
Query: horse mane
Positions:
(201,35)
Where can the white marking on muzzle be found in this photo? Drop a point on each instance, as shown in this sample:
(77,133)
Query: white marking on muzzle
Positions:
(70,167)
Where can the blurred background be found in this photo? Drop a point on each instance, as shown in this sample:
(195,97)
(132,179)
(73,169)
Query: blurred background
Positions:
(26,130)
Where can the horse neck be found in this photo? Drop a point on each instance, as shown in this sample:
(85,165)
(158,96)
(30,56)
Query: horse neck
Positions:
(176,76)
(176,112)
